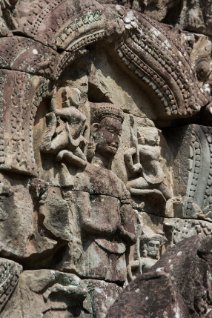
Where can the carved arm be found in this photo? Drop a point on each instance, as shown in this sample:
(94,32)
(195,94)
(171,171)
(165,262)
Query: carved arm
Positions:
(77,141)
(88,223)
(128,221)
(131,166)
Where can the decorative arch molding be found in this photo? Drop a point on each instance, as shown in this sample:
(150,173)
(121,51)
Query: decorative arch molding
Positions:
(151,54)
(53,36)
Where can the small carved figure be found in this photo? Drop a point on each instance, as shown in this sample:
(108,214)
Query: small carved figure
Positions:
(149,254)
(196,15)
(143,164)
(66,129)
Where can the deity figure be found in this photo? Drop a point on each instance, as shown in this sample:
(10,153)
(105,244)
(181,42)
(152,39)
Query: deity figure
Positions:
(148,254)
(143,164)
(102,204)
(66,129)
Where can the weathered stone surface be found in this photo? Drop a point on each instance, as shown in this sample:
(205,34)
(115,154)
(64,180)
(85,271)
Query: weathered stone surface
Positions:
(91,188)
(179,283)
(48,293)
(26,55)
(103,295)
(55,294)
(137,299)
(192,171)
(9,273)
(18,109)
(196,16)
(101,214)
(20,235)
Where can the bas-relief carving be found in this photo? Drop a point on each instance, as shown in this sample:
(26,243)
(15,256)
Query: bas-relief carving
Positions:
(65,135)
(180,282)
(196,16)
(148,251)
(192,15)
(143,164)
(10,272)
(192,168)
(91,222)
(99,203)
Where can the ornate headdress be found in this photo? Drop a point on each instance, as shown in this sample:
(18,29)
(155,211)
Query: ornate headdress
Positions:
(102,110)
(150,235)
(156,237)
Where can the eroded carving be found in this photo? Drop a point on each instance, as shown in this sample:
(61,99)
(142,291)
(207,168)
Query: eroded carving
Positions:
(143,164)
(66,129)
(102,203)
(178,290)
(148,252)
(79,148)
(9,273)
(50,293)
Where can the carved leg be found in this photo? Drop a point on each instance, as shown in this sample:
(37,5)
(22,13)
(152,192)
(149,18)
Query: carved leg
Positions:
(69,157)
(147,191)
(79,153)
(139,183)
(165,190)
(59,142)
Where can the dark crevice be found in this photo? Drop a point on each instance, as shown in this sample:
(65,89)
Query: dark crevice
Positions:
(172,16)
(20,33)
(28,73)
(60,50)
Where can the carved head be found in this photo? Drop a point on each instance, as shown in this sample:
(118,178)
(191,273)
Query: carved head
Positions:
(70,96)
(203,70)
(106,128)
(148,135)
(151,246)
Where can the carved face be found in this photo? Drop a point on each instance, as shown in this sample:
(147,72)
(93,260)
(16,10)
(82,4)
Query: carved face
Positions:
(152,248)
(107,136)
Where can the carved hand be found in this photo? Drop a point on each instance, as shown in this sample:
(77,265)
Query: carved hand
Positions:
(128,237)
(51,119)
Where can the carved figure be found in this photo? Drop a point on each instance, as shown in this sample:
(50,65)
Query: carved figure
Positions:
(180,282)
(196,15)
(66,129)
(143,164)
(103,203)
(149,254)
